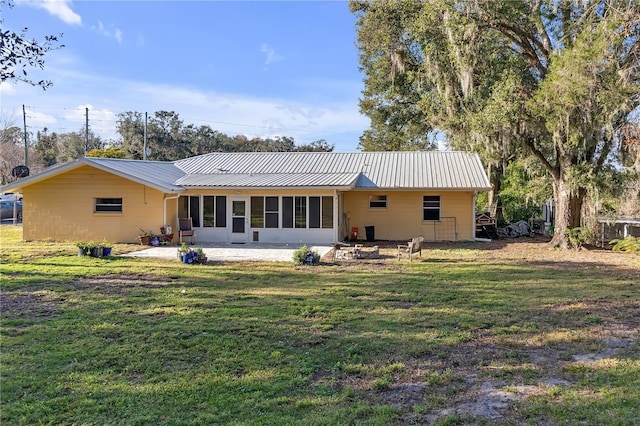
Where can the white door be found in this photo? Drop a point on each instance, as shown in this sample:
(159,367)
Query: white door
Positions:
(239,220)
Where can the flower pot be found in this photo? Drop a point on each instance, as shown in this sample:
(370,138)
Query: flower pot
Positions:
(145,240)
(82,251)
(96,251)
(106,251)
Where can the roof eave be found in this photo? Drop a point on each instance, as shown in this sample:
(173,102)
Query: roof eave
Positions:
(272,188)
(46,174)
(85,161)
(396,188)
(154,185)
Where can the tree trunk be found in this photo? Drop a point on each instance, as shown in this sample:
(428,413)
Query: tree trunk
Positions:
(568,210)
(496,174)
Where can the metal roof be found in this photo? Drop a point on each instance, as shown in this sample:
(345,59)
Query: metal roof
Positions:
(160,174)
(383,170)
(156,174)
(442,170)
(270,180)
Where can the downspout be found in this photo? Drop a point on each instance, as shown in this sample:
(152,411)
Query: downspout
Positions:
(164,212)
(336,215)
(473,216)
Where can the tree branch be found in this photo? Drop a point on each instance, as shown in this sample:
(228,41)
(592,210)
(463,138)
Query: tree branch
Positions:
(529,141)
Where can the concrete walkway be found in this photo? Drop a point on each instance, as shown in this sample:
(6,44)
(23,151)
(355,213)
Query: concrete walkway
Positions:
(233,252)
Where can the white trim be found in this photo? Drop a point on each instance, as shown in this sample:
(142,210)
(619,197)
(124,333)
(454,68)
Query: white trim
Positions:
(164,211)
(237,237)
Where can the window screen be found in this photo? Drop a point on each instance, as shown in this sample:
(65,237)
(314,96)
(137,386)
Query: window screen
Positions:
(431,207)
(108,205)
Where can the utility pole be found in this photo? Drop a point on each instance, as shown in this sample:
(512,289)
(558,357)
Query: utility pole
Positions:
(144,146)
(26,144)
(86,130)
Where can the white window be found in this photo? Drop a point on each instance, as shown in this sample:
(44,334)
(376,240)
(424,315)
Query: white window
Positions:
(431,207)
(264,212)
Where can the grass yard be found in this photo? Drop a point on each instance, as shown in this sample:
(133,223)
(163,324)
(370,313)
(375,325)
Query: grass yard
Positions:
(505,335)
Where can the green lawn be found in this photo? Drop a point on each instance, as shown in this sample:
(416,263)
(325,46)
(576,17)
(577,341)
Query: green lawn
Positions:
(454,338)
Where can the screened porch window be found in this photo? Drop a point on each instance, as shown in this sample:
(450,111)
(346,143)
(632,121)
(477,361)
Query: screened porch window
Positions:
(300,209)
(264,212)
(189,206)
(321,212)
(205,211)
(214,211)
(307,212)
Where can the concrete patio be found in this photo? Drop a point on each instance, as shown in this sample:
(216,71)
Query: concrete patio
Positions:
(227,252)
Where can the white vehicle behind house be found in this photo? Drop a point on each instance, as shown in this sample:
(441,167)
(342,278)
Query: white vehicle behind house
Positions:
(10,196)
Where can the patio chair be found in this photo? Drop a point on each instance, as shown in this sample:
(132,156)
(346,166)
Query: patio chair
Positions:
(413,246)
(186,230)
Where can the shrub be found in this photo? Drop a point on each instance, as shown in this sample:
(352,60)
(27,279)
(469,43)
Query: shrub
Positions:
(578,237)
(304,256)
(629,244)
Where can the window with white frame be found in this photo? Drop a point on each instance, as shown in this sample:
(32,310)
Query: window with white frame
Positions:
(327,212)
(206,211)
(431,207)
(214,211)
(264,212)
(307,212)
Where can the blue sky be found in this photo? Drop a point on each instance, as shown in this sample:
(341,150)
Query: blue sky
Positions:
(261,68)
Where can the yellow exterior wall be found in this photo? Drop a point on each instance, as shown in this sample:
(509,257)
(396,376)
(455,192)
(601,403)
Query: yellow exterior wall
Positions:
(402,219)
(62,208)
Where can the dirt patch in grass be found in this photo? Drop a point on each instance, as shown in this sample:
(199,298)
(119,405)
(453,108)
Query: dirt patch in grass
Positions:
(529,250)
(117,284)
(29,304)
(40,302)
(486,378)
(483,382)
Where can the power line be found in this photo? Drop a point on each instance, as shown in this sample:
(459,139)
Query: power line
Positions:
(308,134)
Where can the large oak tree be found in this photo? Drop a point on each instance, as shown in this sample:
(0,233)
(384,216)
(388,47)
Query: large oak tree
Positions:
(555,79)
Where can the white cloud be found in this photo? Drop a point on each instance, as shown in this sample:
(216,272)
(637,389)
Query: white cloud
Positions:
(101,121)
(39,120)
(7,88)
(58,8)
(115,33)
(270,54)
(229,113)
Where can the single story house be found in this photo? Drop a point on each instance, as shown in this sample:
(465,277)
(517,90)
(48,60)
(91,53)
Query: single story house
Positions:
(274,197)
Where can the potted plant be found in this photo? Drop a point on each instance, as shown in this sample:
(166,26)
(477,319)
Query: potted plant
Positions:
(165,236)
(96,250)
(200,256)
(305,256)
(183,250)
(106,248)
(190,255)
(84,248)
(145,237)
